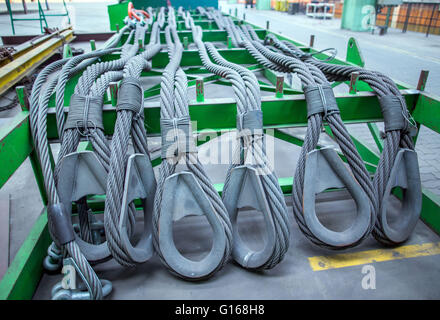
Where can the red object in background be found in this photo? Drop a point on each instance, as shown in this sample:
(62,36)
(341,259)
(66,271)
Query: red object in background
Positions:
(132,12)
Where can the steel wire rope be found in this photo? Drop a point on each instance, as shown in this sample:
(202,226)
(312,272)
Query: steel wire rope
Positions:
(251,149)
(394,140)
(71,136)
(174,107)
(128,121)
(310,76)
(38,113)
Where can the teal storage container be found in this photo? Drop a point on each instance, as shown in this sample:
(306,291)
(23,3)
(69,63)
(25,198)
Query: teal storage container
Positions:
(263,5)
(358,15)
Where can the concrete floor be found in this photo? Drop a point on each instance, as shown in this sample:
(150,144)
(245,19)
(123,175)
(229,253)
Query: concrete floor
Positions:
(293,278)
(86,16)
(401,56)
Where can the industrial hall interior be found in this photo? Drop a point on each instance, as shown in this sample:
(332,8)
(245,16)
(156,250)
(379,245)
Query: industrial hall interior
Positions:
(232,150)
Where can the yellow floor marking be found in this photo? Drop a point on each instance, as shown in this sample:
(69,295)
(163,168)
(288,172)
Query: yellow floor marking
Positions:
(343,260)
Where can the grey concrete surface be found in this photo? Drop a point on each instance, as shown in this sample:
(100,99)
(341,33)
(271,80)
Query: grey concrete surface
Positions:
(86,16)
(399,55)
(293,278)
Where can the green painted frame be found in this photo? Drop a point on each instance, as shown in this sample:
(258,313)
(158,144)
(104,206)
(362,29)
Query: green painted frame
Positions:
(216,115)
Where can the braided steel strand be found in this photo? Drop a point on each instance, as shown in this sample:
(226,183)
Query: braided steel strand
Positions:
(254,147)
(126,122)
(64,76)
(342,137)
(71,247)
(249,78)
(174,103)
(382,85)
(38,115)
(71,137)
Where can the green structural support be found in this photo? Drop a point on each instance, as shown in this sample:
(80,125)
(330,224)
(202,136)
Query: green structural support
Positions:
(279,87)
(200,90)
(354,55)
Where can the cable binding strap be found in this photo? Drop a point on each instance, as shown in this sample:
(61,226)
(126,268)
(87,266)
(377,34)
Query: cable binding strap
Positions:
(320,99)
(250,123)
(85,113)
(393,113)
(131,96)
(60,224)
(177,138)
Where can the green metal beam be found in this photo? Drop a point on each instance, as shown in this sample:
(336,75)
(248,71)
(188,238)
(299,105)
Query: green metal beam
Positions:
(15,145)
(427,111)
(374,130)
(431,210)
(220,114)
(23,275)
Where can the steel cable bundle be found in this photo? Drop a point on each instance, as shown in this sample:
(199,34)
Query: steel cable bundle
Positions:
(161,17)
(124,174)
(192,187)
(250,174)
(397,138)
(38,118)
(57,214)
(321,105)
(130,118)
(93,131)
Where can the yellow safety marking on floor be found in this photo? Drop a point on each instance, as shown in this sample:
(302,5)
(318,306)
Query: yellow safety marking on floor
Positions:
(343,260)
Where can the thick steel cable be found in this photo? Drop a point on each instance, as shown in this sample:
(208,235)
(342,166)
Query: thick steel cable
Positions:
(38,119)
(237,37)
(205,13)
(217,16)
(393,140)
(311,76)
(161,17)
(174,104)
(250,146)
(64,76)
(77,64)
(65,73)
(126,121)
(71,136)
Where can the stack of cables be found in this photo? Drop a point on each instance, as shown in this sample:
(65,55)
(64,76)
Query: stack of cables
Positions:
(65,243)
(314,164)
(217,17)
(250,180)
(188,192)
(161,17)
(398,165)
(130,177)
(84,120)
(205,13)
